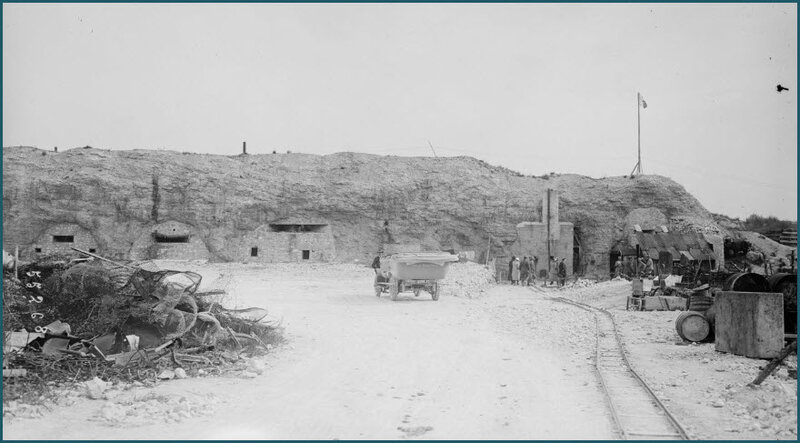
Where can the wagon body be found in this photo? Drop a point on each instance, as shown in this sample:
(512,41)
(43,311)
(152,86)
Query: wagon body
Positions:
(414,271)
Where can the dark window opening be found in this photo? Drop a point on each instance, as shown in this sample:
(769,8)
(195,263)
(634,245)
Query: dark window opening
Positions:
(37,249)
(253,252)
(92,250)
(296,228)
(306,254)
(63,238)
(171,239)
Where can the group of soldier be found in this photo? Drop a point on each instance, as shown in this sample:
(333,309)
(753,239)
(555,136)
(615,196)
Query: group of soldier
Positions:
(524,272)
(645,268)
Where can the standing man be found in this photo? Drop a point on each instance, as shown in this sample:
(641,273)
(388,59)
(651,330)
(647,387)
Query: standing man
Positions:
(562,272)
(515,271)
(376,264)
(511,267)
(618,268)
(552,276)
(524,269)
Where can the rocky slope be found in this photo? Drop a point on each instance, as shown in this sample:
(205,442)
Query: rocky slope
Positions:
(445,203)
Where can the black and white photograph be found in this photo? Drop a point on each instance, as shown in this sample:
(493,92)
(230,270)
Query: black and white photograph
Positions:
(399,221)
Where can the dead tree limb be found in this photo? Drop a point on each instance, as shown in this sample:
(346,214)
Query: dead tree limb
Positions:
(104,259)
(770,368)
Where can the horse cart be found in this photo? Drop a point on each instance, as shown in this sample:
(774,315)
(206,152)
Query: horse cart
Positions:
(414,272)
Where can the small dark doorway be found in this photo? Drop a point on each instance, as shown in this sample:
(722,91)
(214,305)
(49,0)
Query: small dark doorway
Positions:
(612,262)
(306,254)
(253,252)
(63,239)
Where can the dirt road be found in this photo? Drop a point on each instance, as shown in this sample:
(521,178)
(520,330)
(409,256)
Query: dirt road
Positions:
(508,365)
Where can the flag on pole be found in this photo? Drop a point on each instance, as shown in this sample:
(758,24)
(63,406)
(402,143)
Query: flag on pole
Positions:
(644,103)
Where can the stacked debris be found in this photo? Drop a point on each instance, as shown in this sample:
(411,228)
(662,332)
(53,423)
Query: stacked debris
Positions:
(466,279)
(78,317)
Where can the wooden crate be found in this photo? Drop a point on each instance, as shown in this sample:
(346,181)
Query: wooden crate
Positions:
(749,323)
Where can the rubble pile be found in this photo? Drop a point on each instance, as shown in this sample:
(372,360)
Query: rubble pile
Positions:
(701,225)
(142,407)
(126,321)
(578,283)
(466,279)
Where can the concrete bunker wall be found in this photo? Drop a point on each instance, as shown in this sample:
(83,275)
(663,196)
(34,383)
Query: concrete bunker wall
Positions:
(59,239)
(280,243)
(532,242)
(170,240)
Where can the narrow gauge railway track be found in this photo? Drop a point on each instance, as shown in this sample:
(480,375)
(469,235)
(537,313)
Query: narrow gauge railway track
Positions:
(637,412)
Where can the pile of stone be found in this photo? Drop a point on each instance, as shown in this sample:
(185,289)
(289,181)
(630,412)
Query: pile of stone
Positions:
(466,279)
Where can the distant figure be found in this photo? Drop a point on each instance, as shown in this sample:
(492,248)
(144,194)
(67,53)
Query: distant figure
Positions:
(376,264)
(767,266)
(562,272)
(511,266)
(524,269)
(646,264)
(534,268)
(531,271)
(553,274)
(618,268)
(515,271)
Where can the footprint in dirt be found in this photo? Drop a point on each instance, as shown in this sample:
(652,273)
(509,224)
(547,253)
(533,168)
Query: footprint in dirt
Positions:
(414,431)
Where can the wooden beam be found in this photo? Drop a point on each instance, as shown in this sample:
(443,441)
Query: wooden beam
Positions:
(770,368)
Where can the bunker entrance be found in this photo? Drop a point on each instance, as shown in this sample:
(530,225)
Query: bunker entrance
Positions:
(296,228)
(171,238)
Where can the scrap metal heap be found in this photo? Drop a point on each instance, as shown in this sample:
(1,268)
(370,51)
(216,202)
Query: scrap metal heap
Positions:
(86,317)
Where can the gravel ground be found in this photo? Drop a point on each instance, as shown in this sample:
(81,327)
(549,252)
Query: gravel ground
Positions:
(485,361)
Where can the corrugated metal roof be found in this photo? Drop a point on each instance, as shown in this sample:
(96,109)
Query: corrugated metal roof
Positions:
(692,245)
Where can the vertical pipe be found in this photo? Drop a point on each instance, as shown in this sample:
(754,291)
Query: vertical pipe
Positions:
(16,262)
(548,231)
(488,247)
(638,132)
(244,147)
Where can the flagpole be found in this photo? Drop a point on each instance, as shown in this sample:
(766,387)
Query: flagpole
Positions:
(639,131)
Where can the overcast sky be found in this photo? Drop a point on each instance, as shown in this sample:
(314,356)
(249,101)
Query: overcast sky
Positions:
(537,88)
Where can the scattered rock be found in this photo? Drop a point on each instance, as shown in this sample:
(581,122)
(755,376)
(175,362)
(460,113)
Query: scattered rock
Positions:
(180,373)
(95,388)
(256,365)
(166,374)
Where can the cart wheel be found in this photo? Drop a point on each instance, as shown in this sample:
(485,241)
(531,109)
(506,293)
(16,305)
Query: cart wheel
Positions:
(435,293)
(393,288)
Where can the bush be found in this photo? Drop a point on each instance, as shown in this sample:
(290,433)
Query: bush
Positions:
(768,225)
